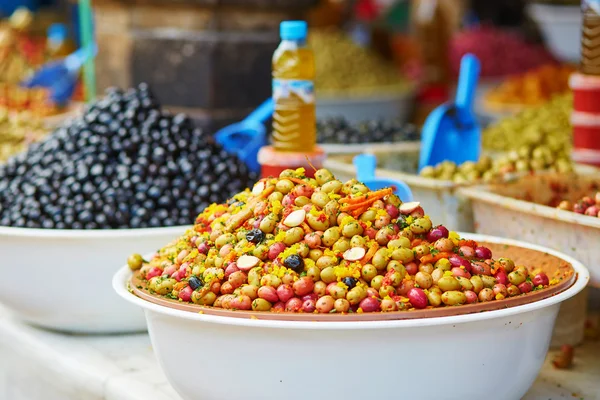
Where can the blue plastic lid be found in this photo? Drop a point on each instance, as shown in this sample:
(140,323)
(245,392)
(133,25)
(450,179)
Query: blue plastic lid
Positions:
(293,30)
(57,32)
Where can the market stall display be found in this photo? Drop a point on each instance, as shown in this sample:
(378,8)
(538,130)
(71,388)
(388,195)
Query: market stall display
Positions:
(123,175)
(355,83)
(501,53)
(340,131)
(547,126)
(155,170)
(281,247)
(17,131)
(531,88)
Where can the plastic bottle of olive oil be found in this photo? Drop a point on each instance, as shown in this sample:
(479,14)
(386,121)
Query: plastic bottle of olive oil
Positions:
(294,120)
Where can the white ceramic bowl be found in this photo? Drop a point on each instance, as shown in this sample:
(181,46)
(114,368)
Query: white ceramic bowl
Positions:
(461,357)
(60,279)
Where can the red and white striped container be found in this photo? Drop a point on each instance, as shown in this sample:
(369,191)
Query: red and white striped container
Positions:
(586,93)
(586,137)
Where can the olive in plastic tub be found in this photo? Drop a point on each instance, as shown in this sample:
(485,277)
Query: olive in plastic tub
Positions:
(518,210)
(438,197)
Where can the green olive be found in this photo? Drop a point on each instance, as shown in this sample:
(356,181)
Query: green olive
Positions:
(320,199)
(351,229)
(315,254)
(255,275)
(403,254)
(275,196)
(301,201)
(358,241)
(435,299)
(314,273)
(453,298)
(332,186)
(383,235)
(330,236)
(368,216)
(398,243)
(377,282)
(380,259)
(317,222)
(261,305)
(516,277)
(284,186)
(261,251)
(165,286)
(488,281)
(368,272)
(323,176)
(268,224)
(447,283)
(465,283)
(341,245)
(326,261)
(421,250)
(477,283)
(356,295)
(287,173)
(135,262)
(359,188)
(421,225)
(428,172)
(396,266)
(224,239)
(328,275)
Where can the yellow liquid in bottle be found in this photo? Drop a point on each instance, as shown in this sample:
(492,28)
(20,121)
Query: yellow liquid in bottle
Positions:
(294,117)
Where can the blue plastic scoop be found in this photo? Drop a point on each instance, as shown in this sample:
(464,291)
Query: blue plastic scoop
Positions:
(245,138)
(365,165)
(61,76)
(452,132)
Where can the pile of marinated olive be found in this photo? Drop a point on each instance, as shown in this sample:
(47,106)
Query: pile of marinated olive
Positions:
(587,205)
(17,131)
(125,163)
(342,65)
(338,130)
(547,125)
(298,244)
(526,159)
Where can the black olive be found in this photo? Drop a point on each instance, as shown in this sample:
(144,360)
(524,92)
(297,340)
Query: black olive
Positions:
(294,262)
(350,282)
(195,282)
(255,236)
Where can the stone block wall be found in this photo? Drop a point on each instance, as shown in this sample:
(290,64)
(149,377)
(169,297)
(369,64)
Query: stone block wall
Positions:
(210,58)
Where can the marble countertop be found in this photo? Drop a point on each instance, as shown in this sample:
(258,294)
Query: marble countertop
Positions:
(37,364)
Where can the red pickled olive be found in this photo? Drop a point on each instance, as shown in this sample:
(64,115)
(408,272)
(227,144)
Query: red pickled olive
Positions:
(185,294)
(278,307)
(170,270)
(541,279)
(154,271)
(501,277)
(392,211)
(483,253)
(303,286)
(457,271)
(458,261)
(371,233)
(285,292)
(417,298)
(411,268)
(310,296)
(294,304)
(203,248)
(466,251)
(369,304)
(178,275)
(268,293)
(437,233)
(372,292)
(471,296)
(525,287)
(309,306)
(231,268)
(275,249)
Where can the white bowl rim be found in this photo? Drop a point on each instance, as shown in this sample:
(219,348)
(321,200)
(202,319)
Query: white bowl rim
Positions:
(121,278)
(8,231)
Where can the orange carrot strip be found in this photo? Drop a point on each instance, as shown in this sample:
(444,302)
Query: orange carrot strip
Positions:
(363,198)
(416,242)
(430,258)
(372,199)
(370,254)
(469,243)
(306,228)
(299,181)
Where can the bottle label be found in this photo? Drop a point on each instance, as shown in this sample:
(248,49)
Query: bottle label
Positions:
(290,89)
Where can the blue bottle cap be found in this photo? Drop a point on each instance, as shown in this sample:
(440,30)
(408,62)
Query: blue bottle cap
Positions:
(293,30)
(57,32)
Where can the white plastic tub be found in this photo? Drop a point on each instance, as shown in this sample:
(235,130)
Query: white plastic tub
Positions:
(215,358)
(498,210)
(60,279)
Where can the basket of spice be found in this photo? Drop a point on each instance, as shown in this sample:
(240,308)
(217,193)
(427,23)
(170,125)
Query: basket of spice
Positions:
(298,266)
